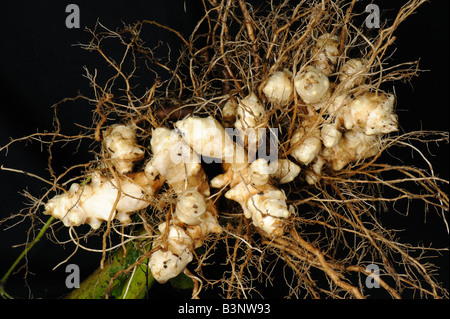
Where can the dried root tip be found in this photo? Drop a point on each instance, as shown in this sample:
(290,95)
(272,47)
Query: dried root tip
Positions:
(120,143)
(325,53)
(94,203)
(279,89)
(312,85)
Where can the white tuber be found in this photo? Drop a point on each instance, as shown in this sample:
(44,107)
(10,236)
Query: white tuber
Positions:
(100,200)
(325,53)
(191,207)
(350,73)
(269,211)
(259,172)
(313,176)
(352,147)
(330,135)
(240,176)
(279,89)
(250,115)
(165,265)
(308,149)
(372,113)
(312,85)
(120,142)
(229,113)
(250,112)
(284,170)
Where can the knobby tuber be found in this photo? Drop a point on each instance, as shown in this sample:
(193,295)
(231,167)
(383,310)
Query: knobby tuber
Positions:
(302,78)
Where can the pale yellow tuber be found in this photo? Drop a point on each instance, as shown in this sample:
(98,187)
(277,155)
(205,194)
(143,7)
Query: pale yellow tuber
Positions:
(312,85)
(269,211)
(279,89)
(371,113)
(195,217)
(100,200)
(325,53)
(250,115)
(306,145)
(351,73)
(120,142)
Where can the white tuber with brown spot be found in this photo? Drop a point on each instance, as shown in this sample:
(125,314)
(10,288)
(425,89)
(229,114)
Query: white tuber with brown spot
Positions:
(107,198)
(353,146)
(351,73)
(191,207)
(312,85)
(371,113)
(325,53)
(100,200)
(120,143)
(268,210)
(194,218)
(279,89)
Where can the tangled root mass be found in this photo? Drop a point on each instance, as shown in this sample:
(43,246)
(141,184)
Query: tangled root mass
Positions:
(314,73)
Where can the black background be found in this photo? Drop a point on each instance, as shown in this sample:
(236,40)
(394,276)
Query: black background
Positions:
(39,66)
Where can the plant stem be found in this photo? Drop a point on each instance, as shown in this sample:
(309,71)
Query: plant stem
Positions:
(3,293)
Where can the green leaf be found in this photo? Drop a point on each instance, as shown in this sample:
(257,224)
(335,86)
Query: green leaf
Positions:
(182,281)
(132,285)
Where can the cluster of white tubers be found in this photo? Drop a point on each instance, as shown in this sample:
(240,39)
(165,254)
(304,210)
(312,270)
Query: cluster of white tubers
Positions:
(194,220)
(348,127)
(249,183)
(106,198)
(195,217)
(336,130)
(352,136)
(312,85)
